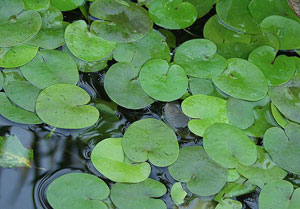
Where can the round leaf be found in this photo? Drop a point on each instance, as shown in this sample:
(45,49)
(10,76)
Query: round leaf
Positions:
(229,146)
(123,87)
(172,14)
(204,177)
(201,86)
(199,59)
(109,159)
(163,82)
(36,5)
(284,146)
(85,44)
(204,7)
(64,106)
(17,25)
(140,195)
(242,80)
(124,21)
(151,139)
(66,5)
(77,191)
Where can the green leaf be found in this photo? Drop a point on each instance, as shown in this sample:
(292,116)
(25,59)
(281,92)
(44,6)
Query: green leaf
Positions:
(13,153)
(242,80)
(77,191)
(64,106)
(263,171)
(16,114)
(172,14)
(202,6)
(279,194)
(277,71)
(284,146)
(51,35)
(51,67)
(283,122)
(169,37)
(229,146)
(123,22)
(229,204)
(1,80)
(66,5)
(286,30)
(36,5)
(204,177)
(199,59)
(151,139)
(85,44)
(140,195)
(163,82)
(235,13)
(123,87)
(201,86)
(17,56)
(207,109)
(109,159)
(20,91)
(152,46)
(177,193)
(17,25)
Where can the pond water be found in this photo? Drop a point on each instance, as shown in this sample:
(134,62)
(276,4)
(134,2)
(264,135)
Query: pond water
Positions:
(57,152)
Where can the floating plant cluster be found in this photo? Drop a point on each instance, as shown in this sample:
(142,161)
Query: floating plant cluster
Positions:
(239,85)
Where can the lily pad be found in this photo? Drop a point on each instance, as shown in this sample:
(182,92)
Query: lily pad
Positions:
(229,204)
(16,114)
(85,44)
(151,139)
(204,7)
(123,87)
(229,146)
(199,59)
(109,159)
(64,106)
(141,195)
(242,80)
(175,14)
(66,5)
(280,119)
(263,171)
(1,80)
(235,13)
(284,146)
(177,193)
(152,46)
(36,5)
(163,82)
(277,71)
(204,177)
(77,190)
(123,21)
(51,67)
(16,87)
(51,35)
(286,30)
(279,194)
(17,25)
(207,109)
(13,154)
(201,86)
(17,56)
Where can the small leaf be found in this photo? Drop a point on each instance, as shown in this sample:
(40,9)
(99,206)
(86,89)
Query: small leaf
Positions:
(177,193)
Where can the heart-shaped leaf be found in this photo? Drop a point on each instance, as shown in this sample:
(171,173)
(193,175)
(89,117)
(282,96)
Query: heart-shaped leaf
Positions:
(140,195)
(17,25)
(172,14)
(151,139)
(199,59)
(207,109)
(279,194)
(77,190)
(284,146)
(204,177)
(13,153)
(242,80)
(123,21)
(64,106)
(51,67)
(229,146)
(109,159)
(85,44)
(163,82)
(123,87)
